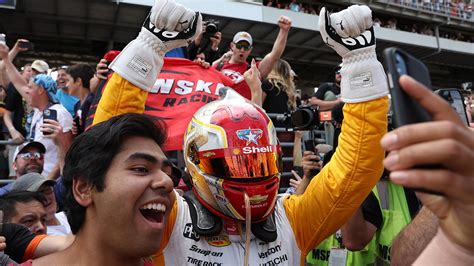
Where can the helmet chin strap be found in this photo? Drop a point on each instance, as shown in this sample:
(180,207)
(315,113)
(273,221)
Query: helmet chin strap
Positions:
(247,228)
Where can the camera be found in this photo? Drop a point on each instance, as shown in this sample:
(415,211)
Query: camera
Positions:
(212,27)
(303,118)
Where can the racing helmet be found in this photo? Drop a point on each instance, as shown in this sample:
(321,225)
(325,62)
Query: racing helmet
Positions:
(231,149)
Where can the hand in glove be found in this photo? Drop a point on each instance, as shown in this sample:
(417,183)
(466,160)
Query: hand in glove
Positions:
(350,33)
(169,25)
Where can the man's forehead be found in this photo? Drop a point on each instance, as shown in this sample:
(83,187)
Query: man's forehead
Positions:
(29,207)
(142,146)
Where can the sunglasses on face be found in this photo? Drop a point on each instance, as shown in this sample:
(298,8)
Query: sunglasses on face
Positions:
(31,155)
(246,47)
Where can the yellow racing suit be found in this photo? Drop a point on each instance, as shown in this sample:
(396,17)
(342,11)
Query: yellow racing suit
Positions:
(302,221)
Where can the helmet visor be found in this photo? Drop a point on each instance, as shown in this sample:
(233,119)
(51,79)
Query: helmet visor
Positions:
(248,162)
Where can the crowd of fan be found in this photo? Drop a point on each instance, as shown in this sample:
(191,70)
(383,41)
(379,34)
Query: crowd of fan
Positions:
(454,8)
(460,9)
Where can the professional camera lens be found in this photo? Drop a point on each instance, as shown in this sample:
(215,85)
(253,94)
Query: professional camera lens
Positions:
(211,29)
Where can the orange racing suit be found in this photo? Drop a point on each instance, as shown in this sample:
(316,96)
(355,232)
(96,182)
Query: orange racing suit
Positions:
(302,221)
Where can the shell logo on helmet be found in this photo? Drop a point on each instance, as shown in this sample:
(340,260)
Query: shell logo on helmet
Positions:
(248,150)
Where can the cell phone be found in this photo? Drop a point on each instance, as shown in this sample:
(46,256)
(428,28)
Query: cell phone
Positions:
(405,109)
(309,145)
(50,114)
(77,121)
(3,38)
(26,45)
(455,98)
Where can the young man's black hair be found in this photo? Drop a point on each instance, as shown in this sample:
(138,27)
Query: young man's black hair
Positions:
(83,71)
(9,201)
(91,154)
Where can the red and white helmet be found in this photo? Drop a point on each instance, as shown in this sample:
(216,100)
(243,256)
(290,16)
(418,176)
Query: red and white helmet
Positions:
(231,149)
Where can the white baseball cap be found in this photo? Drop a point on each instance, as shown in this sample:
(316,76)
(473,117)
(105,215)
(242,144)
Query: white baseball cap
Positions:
(40,66)
(243,36)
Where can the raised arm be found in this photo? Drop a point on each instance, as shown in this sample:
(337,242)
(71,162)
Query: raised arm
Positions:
(15,77)
(138,65)
(341,186)
(279,45)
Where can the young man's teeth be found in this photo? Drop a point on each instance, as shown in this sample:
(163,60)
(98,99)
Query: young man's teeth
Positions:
(154,206)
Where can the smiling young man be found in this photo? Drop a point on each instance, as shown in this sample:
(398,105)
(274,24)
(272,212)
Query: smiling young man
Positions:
(118,198)
(241,47)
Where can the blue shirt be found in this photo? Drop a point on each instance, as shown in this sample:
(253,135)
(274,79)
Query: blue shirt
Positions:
(5,189)
(67,100)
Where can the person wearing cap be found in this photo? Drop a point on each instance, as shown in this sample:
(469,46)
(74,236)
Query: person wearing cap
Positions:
(26,208)
(39,93)
(241,47)
(27,158)
(13,117)
(40,67)
(56,222)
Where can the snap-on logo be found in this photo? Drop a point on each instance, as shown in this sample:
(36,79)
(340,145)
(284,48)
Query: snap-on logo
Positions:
(248,150)
(249,135)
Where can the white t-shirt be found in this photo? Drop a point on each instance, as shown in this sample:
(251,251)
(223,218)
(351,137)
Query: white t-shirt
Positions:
(186,247)
(51,155)
(62,229)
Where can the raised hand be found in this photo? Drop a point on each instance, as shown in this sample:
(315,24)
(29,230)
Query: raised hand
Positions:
(350,33)
(284,23)
(169,25)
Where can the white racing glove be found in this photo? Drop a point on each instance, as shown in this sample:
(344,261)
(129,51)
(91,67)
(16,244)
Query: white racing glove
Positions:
(169,25)
(350,33)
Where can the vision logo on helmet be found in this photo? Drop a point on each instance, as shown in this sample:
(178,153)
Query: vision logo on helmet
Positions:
(249,135)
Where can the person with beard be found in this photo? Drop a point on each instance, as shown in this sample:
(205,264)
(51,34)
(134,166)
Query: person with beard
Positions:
(63,96)
(28,158)
(328,94)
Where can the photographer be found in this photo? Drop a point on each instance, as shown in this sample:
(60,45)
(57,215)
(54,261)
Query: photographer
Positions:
(207,42)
